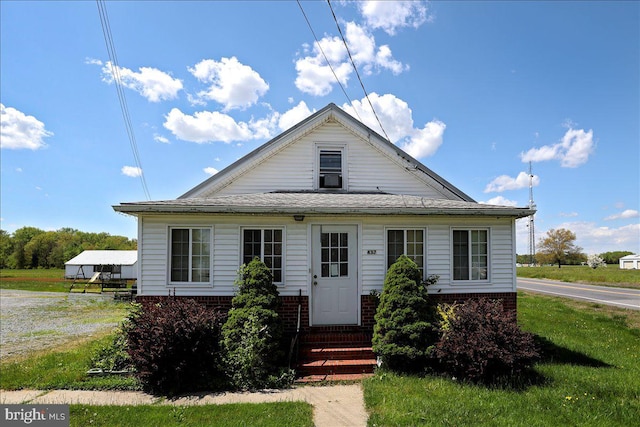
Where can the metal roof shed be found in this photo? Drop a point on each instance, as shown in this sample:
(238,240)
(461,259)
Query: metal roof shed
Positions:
(87,263)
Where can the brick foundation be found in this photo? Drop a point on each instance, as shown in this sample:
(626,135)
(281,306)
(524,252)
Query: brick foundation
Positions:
(289,308)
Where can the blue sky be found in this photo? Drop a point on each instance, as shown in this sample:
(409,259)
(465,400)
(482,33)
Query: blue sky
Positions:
(474,90)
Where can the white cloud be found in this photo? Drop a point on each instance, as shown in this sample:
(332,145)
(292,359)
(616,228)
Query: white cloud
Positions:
(573,150)
(92,61)
(233,84)
(314,74)
(210,171)
(207,126)
(161,139)
(131,171)
(505,182)
(626,214)
(396,118)
(500,201)
(294,116)
(568,214)
(19,131)
(153,84)
(19,170)
(391,15)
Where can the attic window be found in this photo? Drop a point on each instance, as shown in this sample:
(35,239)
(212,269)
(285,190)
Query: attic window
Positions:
(330,169)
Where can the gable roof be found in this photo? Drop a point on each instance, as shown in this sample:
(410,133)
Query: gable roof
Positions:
(330,112)
(104,257)
(334,203)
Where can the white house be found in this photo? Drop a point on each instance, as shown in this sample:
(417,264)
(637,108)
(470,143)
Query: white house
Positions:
(328,205)
(630,262)
(118,264)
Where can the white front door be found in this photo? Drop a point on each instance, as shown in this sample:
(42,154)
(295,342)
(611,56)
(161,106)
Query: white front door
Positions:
(334,275)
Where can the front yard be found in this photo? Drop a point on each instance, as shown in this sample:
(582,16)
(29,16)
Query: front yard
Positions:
(590,376)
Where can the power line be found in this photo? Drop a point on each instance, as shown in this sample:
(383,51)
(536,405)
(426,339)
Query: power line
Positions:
(366,95)
(115,71)
(327,59)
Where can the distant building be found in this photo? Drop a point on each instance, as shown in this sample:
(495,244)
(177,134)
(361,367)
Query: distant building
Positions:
(117,264)
(630,262)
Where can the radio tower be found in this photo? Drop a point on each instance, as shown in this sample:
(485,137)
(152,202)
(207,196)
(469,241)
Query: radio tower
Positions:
(532,233)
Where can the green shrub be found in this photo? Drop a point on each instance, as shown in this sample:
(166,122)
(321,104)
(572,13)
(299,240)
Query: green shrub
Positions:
(252,333)
(113,356)
(403,333)
(174,346)
(481,342)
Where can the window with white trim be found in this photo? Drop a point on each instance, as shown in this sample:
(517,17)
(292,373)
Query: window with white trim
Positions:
(470,254)
(190,255)
(330,169)
(410,242)
(265,244)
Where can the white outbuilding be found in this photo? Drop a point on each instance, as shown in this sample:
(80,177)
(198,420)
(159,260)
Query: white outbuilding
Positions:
(630,262)
(116,264)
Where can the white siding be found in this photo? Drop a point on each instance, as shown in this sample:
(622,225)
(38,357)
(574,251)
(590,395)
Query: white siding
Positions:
(371,263)
(294,167)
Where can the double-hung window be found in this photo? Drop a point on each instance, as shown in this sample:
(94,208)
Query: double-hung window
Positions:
(330,169)
(470,254)
(190,254)
(265,244)
(410,242)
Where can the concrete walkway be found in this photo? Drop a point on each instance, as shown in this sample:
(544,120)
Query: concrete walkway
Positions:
(334,406)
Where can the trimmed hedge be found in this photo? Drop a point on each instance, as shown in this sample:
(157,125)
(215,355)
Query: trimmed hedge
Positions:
(252,334)
(403,332)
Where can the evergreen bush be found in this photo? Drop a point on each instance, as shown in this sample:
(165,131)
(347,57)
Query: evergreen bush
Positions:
(174,346)
(252,334)
(403,332)
(481,342)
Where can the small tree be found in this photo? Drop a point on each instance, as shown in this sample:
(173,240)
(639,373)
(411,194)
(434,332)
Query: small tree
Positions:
(558,246)
(403,334)
(253,331)
(594,261)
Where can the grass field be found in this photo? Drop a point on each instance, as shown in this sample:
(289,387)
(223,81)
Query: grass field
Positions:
(45,280)
(611,275)
(590,376)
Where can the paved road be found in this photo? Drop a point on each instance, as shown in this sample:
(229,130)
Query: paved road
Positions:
(619,297)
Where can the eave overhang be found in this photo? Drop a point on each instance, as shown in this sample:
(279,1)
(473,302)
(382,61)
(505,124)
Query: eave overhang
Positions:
(320,203)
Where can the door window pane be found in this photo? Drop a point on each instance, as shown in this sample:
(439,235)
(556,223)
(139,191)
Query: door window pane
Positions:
(334,249)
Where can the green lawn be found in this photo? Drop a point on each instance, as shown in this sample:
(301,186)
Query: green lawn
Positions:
(231,415)
(609,276)
(590,376)
(45,280)
(61,369)
(49,280)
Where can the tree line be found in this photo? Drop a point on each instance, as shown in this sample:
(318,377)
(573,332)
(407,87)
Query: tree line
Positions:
(558,247)
(31,247)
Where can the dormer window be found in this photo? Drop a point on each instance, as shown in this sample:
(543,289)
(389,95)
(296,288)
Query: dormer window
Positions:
(330,170)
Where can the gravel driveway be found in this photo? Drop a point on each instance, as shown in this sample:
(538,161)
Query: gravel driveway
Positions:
(38,320)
